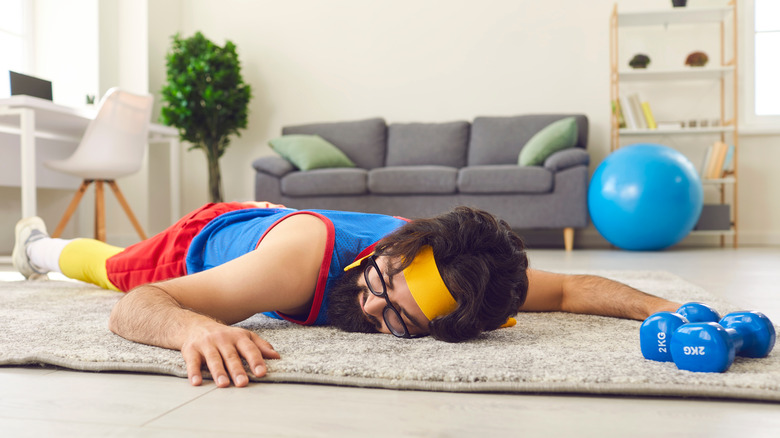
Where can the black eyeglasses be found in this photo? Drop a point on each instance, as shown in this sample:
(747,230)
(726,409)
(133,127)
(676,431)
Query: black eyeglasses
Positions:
(390,314)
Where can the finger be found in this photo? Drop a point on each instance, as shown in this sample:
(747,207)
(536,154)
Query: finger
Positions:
(254,358)
(216,367)
(265,347)
(235,367)
(193,361)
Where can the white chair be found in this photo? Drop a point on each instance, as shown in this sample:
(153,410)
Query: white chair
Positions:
(112,147)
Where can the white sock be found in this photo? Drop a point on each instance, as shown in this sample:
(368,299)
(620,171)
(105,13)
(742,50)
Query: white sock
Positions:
(45,253)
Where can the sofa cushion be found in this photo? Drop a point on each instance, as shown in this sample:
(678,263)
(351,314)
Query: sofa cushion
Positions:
(557,136)
(508,178)
(325,182)
(273,165)
(309,152)
(567,158)
(499,140)
(441,144)
(363,141)
(412,180)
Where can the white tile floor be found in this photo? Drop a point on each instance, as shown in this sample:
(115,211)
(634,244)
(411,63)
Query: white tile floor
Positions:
(50,402)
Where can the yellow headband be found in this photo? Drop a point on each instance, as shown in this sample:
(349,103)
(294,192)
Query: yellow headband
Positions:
(427,287)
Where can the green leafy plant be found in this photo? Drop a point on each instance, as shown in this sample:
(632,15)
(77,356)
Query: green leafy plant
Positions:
(206,98)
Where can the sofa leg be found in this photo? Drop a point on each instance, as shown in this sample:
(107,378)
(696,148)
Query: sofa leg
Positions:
(568,238)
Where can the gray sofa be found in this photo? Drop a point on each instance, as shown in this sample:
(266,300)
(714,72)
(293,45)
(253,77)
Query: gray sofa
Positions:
(424,169)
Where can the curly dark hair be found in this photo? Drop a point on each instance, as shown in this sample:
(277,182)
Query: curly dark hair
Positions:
(481,260)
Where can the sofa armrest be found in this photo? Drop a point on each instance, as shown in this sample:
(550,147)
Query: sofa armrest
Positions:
(273,165)
(567,158)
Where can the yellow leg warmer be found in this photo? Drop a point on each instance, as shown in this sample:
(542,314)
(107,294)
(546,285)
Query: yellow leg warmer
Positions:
(85,260)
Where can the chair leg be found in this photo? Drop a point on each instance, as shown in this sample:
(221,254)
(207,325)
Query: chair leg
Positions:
(568,238)
(74,203)
(100,212)
(126,207)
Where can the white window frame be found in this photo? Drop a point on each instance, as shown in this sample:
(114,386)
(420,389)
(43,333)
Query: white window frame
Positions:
(750,120)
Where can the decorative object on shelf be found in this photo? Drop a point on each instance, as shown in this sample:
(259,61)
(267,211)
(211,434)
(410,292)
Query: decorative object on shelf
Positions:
(679,3)
(90,99)
(697,59)
(714,217)
(645,197)
(639,60)
(671,125)
(206,98)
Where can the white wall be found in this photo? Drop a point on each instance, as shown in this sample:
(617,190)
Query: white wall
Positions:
(123,62)
(66,40)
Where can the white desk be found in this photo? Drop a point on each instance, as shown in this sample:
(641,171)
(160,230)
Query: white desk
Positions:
(32,118)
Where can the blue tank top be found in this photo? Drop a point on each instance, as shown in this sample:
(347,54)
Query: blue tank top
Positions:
(236,233)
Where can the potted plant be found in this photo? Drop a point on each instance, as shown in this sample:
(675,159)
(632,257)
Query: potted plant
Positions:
(206,98)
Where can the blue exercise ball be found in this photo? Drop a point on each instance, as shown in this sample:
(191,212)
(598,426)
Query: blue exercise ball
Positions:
(645,197)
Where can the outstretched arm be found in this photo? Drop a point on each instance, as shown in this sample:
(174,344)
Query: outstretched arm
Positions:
(589,294)
(149,315)
(193,313)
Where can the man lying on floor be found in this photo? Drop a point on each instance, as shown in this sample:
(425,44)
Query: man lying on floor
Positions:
(451,277)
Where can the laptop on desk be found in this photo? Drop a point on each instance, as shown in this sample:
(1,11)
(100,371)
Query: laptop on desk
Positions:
(30,86)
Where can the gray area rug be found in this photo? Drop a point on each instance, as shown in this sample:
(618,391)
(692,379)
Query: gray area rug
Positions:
(64,324)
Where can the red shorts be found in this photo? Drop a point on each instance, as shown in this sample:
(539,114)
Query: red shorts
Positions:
(164,255)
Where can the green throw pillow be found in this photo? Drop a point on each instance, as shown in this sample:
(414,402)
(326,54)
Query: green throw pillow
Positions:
(309,152)
(556,136)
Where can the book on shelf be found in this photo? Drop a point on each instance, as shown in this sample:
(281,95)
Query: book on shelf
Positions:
(705,162)
(628,113)
(648,116)
(636,108)
(717,161)
(728,164)
(636,112)
(618,111)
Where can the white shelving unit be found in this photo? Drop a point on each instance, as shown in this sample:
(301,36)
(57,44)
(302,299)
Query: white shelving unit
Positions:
(678,131)
(675,16)
(703,73)
(725,73)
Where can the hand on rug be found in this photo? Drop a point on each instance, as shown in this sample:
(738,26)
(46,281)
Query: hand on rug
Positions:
(222,347)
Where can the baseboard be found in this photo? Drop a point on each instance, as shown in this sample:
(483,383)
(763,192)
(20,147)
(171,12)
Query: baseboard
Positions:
(758,238)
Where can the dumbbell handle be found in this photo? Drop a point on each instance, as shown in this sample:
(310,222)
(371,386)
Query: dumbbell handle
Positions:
(737,338)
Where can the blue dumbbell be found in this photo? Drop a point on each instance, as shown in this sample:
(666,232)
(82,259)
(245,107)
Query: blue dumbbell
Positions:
(656,331)
(710,347)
